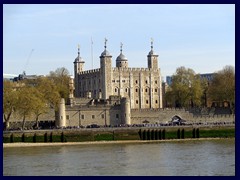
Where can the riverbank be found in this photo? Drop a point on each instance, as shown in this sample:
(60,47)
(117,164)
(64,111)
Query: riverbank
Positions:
(118,134)
(20,144)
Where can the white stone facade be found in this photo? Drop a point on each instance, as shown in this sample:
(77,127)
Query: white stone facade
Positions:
(142,86)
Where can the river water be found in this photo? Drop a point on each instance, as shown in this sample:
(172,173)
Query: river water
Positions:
(174,158)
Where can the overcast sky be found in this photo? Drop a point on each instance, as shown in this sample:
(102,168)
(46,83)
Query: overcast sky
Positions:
(40,38)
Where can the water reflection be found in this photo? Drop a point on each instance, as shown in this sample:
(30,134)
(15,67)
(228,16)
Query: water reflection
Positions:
(208,157)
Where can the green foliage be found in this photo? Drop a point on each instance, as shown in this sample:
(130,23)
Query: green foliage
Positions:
(30,98)
(186,89)
(10,100)
(60,77)
(49,91)
(222,87)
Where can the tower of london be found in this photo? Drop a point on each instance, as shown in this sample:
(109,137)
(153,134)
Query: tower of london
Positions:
(114,94)
(141,86)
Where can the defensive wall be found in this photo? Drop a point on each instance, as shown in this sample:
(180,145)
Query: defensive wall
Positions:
(109,114)
(164,115)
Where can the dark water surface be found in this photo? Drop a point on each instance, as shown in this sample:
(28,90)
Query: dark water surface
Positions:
(184,158)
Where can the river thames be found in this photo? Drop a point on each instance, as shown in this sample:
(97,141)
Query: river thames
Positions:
(171,158)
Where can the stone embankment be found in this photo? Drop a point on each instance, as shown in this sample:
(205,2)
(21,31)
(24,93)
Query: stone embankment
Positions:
(118,134)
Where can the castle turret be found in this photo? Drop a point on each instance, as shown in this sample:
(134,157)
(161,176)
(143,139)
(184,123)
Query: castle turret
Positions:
(152,58)
(121,60)
(106,73)
(78,67)
(61,120)
(125,111)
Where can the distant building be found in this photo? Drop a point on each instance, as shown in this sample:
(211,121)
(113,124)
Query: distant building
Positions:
(207,76)
(23,76)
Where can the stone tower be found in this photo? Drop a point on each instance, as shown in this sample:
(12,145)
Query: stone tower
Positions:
(121,61)
(152,58)
(78,67)
(125,111)
(61,121)
(106,73)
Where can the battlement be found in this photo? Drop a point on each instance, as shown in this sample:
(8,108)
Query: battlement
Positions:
(92,71)
(115,69)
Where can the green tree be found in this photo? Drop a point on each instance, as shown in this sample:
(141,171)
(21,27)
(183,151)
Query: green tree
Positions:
(39,105)
(186,89)
(49,90)
(61,79)
(10,99)
(222,87)
(25,105)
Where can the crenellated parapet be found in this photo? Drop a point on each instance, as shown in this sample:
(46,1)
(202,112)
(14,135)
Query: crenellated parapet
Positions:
(92,71)
(116,69)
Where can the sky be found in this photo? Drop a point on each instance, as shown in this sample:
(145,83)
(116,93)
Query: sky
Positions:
(38,39)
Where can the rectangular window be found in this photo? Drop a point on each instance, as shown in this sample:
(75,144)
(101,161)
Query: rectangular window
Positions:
(155,90)
(93,116)
(67,116)
(82,116)
(117,115)
(102,116)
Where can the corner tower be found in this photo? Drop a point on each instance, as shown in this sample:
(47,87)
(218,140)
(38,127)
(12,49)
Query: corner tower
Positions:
(78,67)
(106,73)
(152,58)
(121,60)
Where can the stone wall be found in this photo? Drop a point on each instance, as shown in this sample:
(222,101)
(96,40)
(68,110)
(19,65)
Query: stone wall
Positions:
(111,115)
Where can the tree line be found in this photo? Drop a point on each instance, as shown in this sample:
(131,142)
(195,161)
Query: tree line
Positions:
(189,90)
(33,97)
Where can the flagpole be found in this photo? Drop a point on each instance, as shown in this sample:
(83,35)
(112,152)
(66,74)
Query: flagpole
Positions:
(92,51)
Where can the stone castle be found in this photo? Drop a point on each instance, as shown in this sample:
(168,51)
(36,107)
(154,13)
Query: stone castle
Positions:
(106,95)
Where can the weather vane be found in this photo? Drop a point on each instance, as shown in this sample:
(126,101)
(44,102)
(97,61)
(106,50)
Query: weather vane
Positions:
(78,49)
(121,45)
(151,43)
(105,43)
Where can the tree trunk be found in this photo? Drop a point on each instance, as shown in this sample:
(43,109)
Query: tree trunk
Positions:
(23,124)
(37,123)
(7,119)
